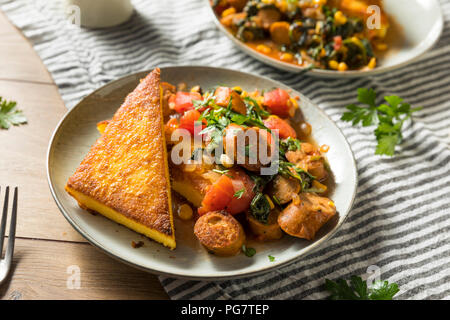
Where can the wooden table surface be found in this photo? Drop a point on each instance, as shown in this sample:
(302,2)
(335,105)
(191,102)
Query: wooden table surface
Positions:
(48,249)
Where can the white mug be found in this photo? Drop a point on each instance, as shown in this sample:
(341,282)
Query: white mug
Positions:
(99,13)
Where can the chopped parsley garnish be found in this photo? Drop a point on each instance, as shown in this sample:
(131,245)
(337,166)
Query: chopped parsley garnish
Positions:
(290,144)
(271,258)
(10,115)
(389,116)
(249,252)
(196,154)
(260,181)
(218,118)
(276,200)
(358,289)
(238,194)
(260,207)
(207,100)
(220,171)
(289,169)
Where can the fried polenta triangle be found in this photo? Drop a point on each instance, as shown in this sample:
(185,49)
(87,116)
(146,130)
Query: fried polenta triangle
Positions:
(125,175)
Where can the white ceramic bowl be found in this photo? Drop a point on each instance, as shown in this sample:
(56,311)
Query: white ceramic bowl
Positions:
(420,21)
(77,131)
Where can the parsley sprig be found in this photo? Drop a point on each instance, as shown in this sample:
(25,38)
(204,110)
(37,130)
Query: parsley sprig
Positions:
(10,115)
(358,289)
(389,116)
(249,252)
(289,144)
(288,169)
(238,194)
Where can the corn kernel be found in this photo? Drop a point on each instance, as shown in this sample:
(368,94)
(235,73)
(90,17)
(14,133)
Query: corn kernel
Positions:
(320,2)
(228,11)
(282,6)
(331,204)
(244,94)
(357,41)
(318,27)
(333,64)
(195,89)
(322,53)
(260,100)
(237,89)
(372,63)
(324,148)
(189,166)
(185,212)
(263,49)
(287,57)
(343,66)
(340,18)
(226,161)
(269,201)
(319,186)
(381,46)
(294,103)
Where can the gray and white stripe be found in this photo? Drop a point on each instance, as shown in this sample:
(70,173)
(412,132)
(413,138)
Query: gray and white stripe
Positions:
(401,218)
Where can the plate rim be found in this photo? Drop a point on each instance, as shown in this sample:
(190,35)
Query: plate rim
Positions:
(314,246)
(280,65)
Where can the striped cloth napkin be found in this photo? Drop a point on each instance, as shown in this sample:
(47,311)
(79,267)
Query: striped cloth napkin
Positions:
(401,218)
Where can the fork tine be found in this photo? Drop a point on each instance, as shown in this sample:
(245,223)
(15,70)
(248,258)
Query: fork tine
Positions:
(12,231)
(4,218)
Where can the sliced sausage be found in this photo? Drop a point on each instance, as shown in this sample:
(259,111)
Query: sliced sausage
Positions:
(309,159)
(265,232)
(266,17)
(303,218)
(250,154)
(232,20)
(279,32)
(237,4)
(283,188)
(220,233)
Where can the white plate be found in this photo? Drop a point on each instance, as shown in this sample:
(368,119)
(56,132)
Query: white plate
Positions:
(77,131)
(420,21)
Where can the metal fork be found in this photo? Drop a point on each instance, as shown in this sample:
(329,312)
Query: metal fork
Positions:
(5,263)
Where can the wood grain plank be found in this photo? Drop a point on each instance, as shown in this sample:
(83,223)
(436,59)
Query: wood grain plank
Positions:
(23,160)
(42,270)
(18,60)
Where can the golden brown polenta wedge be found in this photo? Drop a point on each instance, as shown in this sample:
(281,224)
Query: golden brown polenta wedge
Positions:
(191,185)
(125,175)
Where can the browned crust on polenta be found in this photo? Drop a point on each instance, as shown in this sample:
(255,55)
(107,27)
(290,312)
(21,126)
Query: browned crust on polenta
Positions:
(126,167)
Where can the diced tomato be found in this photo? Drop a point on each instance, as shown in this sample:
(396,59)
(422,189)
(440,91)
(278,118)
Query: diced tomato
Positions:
(284,129)
(337,43)
(218,196)
(278,102)
(182,101)
(189,119)
(243,191)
